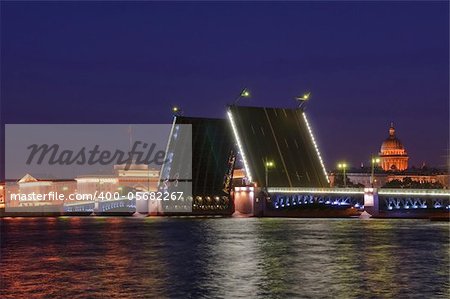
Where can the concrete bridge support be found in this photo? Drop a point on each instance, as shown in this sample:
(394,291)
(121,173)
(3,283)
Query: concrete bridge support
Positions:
(244,201)
(371,202)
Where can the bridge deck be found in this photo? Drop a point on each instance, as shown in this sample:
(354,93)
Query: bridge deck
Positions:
(284,137)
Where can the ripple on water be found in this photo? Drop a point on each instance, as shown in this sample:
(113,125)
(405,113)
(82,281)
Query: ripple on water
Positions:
(232,258)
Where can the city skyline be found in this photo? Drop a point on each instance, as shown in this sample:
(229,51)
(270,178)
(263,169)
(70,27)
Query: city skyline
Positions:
(224,149)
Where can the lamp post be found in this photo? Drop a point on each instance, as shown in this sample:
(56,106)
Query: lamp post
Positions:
(343,166)
(245,93)
(176,111)
(374,160)
(267,165)
(303,99)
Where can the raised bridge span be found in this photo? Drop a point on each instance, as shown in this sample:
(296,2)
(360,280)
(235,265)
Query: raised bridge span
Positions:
(298,184)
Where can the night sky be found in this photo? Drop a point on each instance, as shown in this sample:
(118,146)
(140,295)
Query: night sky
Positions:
(366,64)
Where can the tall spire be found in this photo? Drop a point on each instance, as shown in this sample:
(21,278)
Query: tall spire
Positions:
(392,130)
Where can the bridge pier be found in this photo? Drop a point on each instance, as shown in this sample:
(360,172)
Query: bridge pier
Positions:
(371,201)
(244,201)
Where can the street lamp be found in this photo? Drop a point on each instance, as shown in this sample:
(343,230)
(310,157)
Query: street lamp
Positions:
(374,160)
(176,111)
(267,166)
(245,93)
(303,99)
(343,166)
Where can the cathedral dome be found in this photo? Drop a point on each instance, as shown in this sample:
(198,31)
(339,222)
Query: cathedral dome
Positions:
(392,142)
(392,153)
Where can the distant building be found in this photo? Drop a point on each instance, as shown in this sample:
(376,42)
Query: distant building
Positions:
(136,177)
(393,167)
(381,178)
(393,156)
(29,185)
(2,195)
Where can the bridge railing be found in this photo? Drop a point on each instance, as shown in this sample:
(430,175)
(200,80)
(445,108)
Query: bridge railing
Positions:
(302,190)
(414,192)
(383,199)
(289,198)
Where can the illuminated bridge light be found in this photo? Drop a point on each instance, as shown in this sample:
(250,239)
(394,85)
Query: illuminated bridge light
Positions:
(316,147)
(316,190)
(241,149)
(414,192)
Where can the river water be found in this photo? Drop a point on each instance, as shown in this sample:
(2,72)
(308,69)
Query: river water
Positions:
(112,257)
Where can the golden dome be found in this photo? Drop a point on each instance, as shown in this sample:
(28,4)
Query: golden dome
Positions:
(393,155)
(392,142)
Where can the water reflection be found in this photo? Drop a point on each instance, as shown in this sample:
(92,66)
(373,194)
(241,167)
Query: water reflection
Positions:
(237,258)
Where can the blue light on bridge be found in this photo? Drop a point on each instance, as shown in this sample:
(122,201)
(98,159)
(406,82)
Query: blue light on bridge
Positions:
(291,201)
